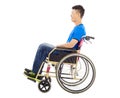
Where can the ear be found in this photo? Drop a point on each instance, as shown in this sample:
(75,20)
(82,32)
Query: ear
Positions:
(78,13)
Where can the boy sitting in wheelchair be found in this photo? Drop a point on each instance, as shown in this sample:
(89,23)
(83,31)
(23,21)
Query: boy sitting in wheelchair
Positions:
(72,43)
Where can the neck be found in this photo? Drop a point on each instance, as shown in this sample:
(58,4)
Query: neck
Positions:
(78,22)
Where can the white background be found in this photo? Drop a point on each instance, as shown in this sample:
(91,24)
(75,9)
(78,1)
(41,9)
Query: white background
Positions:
(24,24)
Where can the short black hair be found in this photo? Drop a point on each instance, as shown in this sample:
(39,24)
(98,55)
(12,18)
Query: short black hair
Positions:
(80,9)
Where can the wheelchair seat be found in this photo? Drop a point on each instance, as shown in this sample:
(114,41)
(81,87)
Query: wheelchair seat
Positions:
(58,53)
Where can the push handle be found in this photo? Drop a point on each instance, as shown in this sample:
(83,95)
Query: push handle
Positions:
(88,38)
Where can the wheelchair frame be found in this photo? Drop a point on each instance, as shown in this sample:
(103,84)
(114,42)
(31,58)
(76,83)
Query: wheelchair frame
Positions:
(44,85)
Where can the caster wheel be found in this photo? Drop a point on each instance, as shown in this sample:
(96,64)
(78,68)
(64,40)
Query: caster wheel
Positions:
(44,86)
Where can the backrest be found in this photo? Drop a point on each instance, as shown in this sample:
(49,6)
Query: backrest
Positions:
(80,43)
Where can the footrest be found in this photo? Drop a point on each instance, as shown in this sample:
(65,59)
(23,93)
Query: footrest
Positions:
(31,79)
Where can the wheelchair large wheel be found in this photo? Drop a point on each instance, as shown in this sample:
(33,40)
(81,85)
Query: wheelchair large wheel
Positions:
(75,73)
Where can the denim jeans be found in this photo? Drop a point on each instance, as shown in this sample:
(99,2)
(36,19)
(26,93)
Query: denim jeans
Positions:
(41,54)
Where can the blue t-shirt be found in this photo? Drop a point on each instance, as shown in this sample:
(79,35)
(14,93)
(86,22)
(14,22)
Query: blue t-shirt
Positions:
(77,33)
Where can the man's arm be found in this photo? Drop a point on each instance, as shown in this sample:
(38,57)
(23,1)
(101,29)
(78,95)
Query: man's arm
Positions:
(70,44)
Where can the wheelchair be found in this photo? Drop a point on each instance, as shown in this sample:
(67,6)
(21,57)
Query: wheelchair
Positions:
(74,72)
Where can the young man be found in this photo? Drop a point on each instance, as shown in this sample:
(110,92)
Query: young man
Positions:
(75,36)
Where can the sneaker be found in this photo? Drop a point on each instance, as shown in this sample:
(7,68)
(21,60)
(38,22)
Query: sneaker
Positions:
(33,75)
(30,74)
(28,70)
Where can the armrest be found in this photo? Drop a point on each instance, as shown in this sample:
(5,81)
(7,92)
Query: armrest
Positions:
(65,49)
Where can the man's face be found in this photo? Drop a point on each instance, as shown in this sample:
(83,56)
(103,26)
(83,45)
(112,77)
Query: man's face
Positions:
(75,15)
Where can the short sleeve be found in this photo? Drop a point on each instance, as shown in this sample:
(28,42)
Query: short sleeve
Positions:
(78,33)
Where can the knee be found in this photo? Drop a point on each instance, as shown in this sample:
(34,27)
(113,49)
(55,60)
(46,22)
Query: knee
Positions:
(42,46)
